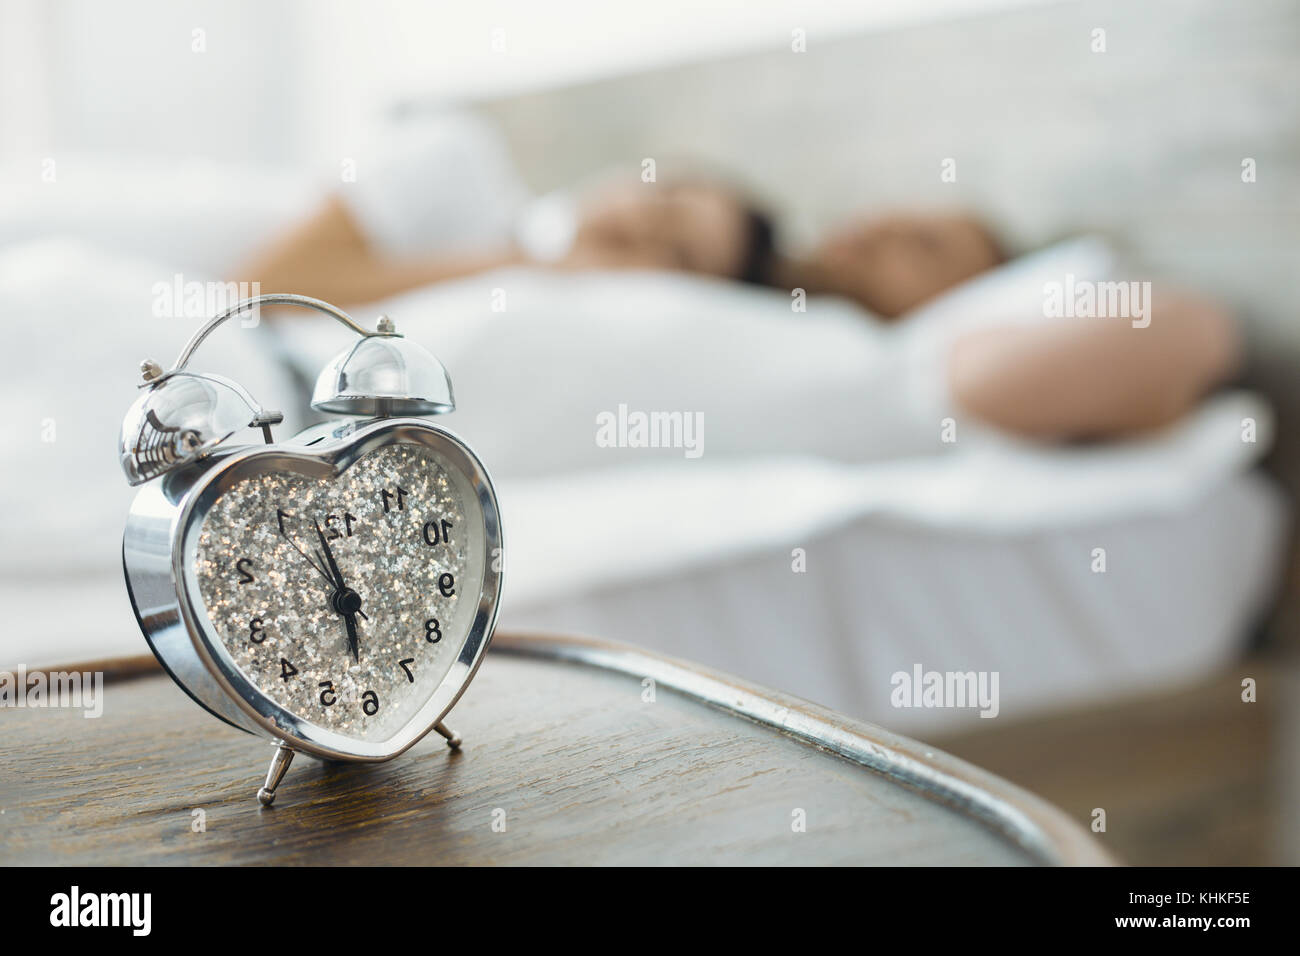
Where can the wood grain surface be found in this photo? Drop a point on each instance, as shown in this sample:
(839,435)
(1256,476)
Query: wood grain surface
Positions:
(579,766)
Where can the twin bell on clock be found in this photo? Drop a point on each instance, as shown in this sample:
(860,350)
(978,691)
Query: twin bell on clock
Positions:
(333,592)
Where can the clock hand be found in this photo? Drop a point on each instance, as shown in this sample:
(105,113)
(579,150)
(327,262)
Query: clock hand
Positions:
(317,567)
(345,601)
(351,621)
(329,558)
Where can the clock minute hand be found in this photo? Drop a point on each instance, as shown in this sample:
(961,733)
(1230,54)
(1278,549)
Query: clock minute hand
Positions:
(345,601)
(329,559)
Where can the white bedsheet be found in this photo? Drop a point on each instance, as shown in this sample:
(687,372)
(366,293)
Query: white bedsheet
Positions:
(980,562)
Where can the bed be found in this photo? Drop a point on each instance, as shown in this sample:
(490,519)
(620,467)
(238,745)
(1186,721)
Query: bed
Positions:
(824,540)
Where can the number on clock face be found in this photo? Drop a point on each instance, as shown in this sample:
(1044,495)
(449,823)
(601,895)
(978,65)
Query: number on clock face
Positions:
(346,601)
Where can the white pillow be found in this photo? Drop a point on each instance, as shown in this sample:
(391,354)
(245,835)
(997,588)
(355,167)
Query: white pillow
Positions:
(531,380)
(1013,292)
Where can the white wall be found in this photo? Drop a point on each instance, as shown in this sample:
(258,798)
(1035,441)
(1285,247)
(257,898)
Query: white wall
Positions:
(290,81)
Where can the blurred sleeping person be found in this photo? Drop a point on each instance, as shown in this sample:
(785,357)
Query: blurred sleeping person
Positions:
(921,315)
(442,200)
(1062,344)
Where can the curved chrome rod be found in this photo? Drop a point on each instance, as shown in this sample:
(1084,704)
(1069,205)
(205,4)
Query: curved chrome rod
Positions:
(283,298)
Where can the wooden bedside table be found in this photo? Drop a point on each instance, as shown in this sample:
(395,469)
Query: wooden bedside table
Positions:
(563,747)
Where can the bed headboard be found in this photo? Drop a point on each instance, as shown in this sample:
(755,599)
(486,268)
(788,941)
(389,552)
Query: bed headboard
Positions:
(1143,142)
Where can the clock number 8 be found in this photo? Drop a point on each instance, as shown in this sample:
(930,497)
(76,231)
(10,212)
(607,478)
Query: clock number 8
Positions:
(432,632)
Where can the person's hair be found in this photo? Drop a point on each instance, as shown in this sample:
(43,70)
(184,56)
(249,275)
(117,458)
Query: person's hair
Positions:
(756,265)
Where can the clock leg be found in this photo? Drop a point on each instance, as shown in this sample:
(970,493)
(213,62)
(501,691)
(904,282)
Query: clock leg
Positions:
(279,764)
(453,738)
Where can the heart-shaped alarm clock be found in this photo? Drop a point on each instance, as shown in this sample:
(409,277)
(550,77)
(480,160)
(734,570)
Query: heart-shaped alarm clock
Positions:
(335,592)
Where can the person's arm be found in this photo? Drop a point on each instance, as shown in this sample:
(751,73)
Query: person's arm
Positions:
(1095,378)
(327,256)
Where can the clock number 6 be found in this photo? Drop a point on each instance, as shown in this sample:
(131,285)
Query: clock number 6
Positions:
(370,703)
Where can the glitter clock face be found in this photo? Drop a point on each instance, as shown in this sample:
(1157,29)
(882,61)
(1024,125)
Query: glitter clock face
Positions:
(346,600)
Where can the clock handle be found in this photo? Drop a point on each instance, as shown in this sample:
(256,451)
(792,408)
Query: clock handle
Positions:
(257,302)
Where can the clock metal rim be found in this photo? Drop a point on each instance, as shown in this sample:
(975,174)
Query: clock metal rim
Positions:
(269,717)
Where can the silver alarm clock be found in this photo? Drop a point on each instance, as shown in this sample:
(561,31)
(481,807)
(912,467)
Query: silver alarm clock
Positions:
(334,592)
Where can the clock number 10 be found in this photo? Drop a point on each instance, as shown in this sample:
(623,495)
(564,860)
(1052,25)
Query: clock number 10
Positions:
(437,532)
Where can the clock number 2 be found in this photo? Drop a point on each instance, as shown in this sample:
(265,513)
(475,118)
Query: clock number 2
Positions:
(242,566)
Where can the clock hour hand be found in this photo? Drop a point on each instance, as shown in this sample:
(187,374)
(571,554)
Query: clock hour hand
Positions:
(351,621)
